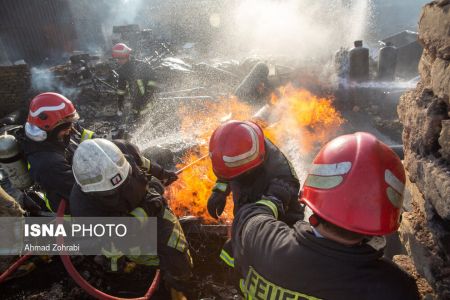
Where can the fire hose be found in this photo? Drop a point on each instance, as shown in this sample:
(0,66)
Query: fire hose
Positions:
(70,268)
(14,267)
(84,284)
(10,200)
(191,164)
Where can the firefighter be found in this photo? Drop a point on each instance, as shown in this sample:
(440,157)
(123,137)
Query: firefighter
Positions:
(51,136)
(355,191)
(119,184)
(137,75)
(245,163)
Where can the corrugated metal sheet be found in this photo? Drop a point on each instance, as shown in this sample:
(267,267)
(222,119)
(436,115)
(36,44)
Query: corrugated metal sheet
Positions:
(36,29)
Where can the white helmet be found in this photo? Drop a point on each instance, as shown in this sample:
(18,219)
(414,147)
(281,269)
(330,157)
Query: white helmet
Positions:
(99,166)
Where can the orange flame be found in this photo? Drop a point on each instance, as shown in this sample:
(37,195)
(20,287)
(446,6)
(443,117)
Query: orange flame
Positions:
(303,117)
(299,116)
(189,194)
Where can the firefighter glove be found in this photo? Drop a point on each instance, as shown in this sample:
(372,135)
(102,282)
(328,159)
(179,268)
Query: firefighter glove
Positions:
(295,211)
(217,200)
(155,185)
(153,203)
(169,177)
(281,190)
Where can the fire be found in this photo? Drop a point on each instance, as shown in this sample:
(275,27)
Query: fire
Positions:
(302,117)
(189,194)
(296,116)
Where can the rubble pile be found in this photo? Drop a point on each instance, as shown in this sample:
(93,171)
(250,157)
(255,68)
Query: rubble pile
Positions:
(378,104)
(79,68)
(87,73)
(144,42)
(181,83)
(14,85)
(424,112)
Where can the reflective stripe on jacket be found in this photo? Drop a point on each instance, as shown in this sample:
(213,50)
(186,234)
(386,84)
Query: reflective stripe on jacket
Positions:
(282,262)
(177,240)
(86,135)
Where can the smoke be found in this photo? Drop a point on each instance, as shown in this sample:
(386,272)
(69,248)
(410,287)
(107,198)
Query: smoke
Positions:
(94,20)
(125,12)
(43,80)
(297,28)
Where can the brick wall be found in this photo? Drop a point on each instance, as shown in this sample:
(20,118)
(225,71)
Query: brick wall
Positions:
(15,82)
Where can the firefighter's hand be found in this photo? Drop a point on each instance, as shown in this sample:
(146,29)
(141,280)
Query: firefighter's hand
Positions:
(216,204)
(218,198)
(169,177)
(295,212)
(154,204)
(282,191)
(155,185)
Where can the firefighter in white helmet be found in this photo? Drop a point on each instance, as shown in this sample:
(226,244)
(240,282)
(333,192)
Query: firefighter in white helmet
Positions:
(113,182)
(137,75)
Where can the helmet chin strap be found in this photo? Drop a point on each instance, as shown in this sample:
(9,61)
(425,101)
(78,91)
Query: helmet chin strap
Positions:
(34,133)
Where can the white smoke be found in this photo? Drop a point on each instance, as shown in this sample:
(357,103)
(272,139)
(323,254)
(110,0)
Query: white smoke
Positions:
(297,28)
(125,12)
(94,21)
(43,80)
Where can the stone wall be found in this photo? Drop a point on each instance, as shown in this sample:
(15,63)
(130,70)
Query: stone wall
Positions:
(424,112)
(15,83)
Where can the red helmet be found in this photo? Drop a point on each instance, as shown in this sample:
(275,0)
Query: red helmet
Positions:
(356,182)
(49,110)
(121,50)
(236,147)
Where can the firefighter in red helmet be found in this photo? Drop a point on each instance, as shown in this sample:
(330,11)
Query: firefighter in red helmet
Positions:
(135,74)
(355,190)
(121,52)
(51,137)
(245,163)
(248,164)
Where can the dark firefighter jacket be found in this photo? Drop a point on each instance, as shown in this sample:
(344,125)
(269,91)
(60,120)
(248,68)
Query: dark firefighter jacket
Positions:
(50,165)
(279,262)
(173,254)
(140,78)
(252,186)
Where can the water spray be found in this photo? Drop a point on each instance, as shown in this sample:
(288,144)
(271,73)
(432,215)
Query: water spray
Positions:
(191,164)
